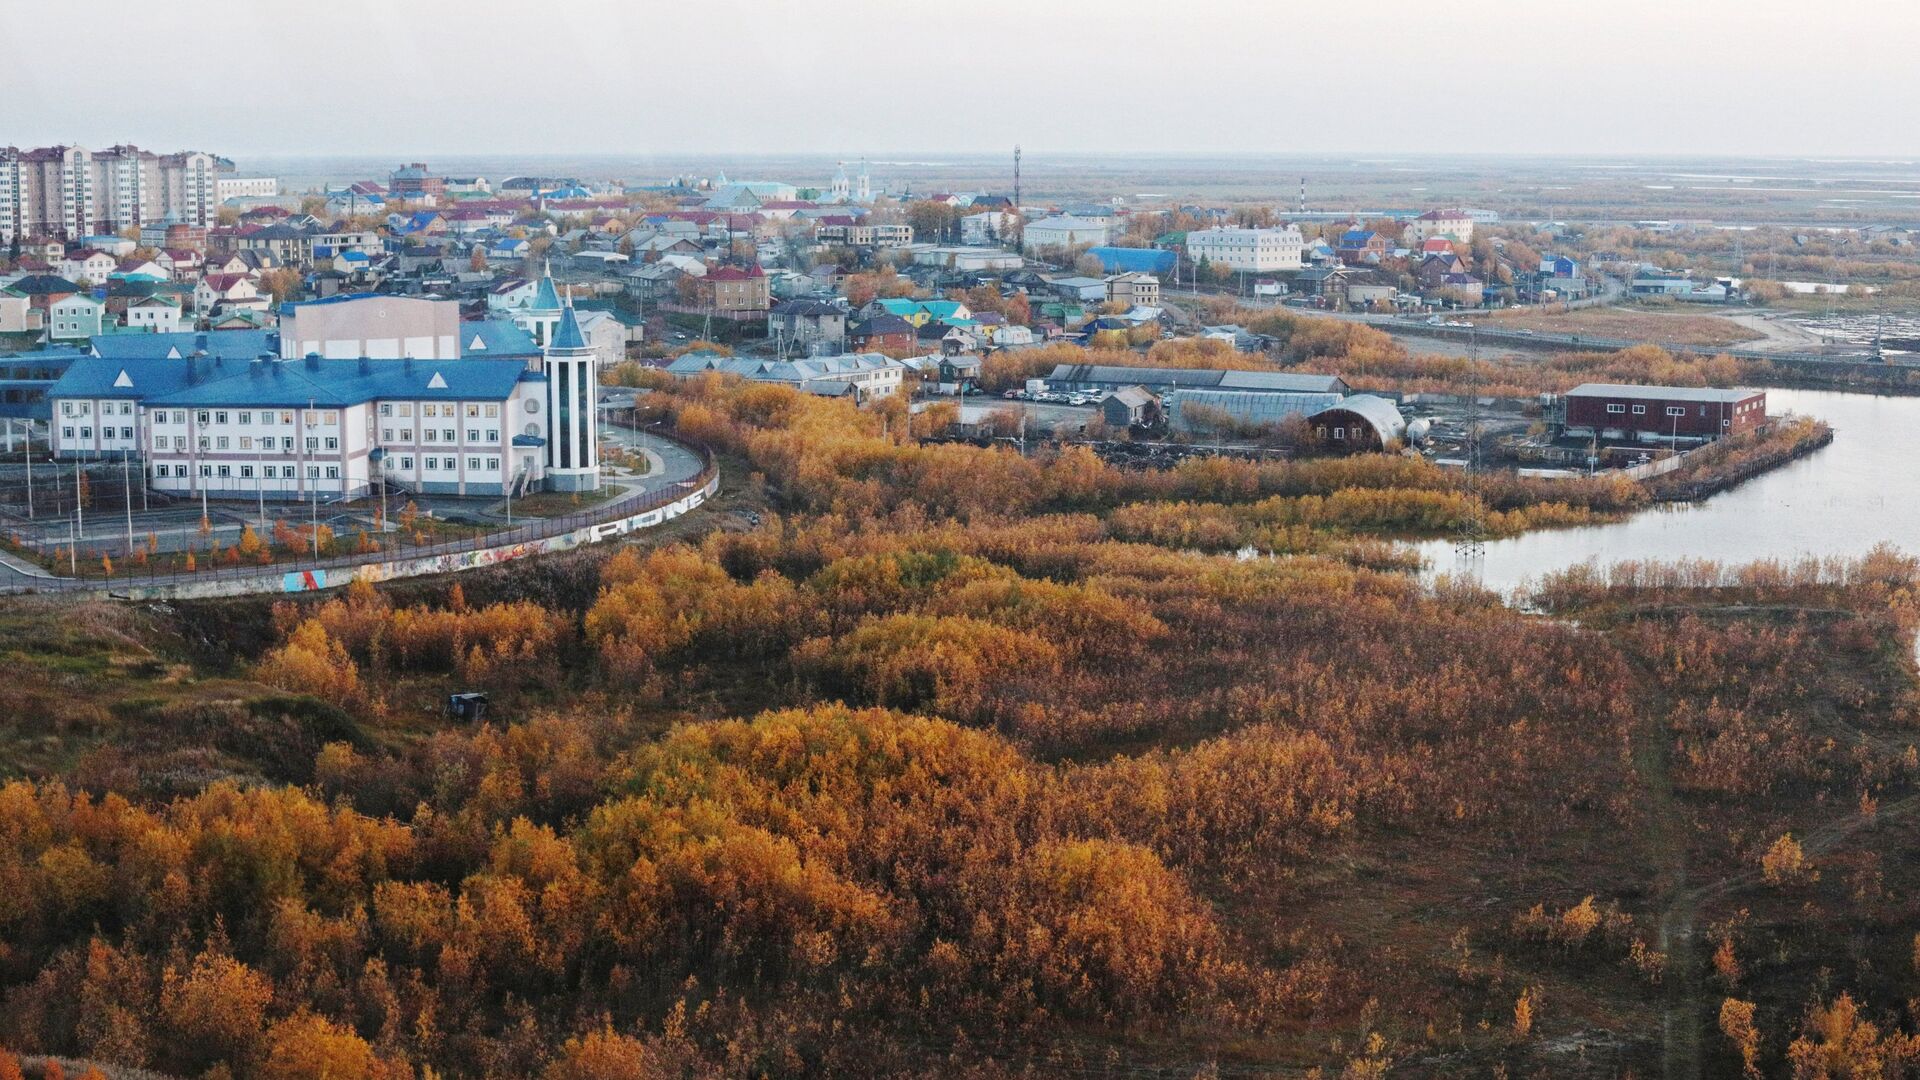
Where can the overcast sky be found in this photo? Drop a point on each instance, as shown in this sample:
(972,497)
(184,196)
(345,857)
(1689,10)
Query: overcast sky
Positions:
(851,77)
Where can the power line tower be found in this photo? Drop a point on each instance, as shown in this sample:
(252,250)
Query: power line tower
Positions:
(1470,547)
(1016,176)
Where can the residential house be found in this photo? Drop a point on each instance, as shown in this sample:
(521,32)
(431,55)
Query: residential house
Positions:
(809,325)
(18,315)
(507,249)
(1452,224)
(739,292)
(1133,290)
(149,269)
(1359,247)
(1433,271)
(44,290)
(881,333)
(225,290)
(510,294)
(88,266)
(1326,282)
(153,314)
(75,316)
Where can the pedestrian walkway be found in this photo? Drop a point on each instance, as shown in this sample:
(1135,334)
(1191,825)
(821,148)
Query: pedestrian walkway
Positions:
(687,478)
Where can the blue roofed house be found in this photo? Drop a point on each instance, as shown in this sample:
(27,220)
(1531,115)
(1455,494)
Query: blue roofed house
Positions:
(508,249)
(1358,246)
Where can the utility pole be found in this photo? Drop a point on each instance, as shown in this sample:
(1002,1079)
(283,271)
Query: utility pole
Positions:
(79,520)
(29,457)
(126,485)
(314,520)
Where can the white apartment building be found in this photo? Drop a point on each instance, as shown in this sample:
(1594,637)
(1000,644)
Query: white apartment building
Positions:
(246,187)
(1065,232)
(1248,250)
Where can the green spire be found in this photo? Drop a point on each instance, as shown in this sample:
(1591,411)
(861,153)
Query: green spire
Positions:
(569,335)
(544,296)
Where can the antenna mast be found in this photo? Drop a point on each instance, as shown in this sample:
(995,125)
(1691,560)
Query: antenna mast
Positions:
(1016,176)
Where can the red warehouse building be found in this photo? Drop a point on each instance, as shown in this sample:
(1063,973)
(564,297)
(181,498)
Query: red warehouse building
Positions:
(1648,413)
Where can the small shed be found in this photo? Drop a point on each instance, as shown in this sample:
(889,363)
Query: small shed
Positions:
(1130,406)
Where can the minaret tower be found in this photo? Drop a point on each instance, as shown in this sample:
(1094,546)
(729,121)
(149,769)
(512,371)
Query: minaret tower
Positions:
(573,397)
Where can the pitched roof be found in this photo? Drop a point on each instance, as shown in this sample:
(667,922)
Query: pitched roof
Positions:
(545,298)
(481,338)
(881,325)
(231,345)
(43,284)
(568,336)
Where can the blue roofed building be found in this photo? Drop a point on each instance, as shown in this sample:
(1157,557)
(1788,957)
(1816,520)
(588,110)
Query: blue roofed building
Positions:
(179,345)
(1125,260)
(311,427)
(25,379)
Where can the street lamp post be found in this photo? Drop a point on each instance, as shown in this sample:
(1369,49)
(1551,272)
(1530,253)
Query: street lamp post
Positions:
(126,484)
(79,521)
(314,518)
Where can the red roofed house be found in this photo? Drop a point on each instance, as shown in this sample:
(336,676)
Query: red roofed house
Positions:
(218,289)
(1452,224)
(739,292)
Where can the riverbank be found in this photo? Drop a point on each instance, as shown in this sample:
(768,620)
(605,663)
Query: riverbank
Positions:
(1721,465)
(1837,501)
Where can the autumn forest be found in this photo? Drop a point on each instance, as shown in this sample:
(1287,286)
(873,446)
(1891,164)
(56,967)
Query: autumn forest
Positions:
(911,758)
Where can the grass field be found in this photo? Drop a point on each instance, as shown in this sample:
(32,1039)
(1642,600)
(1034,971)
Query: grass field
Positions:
(1638,324)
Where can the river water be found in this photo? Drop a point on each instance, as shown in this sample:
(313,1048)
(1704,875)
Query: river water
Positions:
(1860,490)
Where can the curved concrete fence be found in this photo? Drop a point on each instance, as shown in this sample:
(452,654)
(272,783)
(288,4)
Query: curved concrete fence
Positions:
(543,537)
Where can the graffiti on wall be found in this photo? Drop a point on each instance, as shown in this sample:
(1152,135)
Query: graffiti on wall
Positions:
(302,580)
